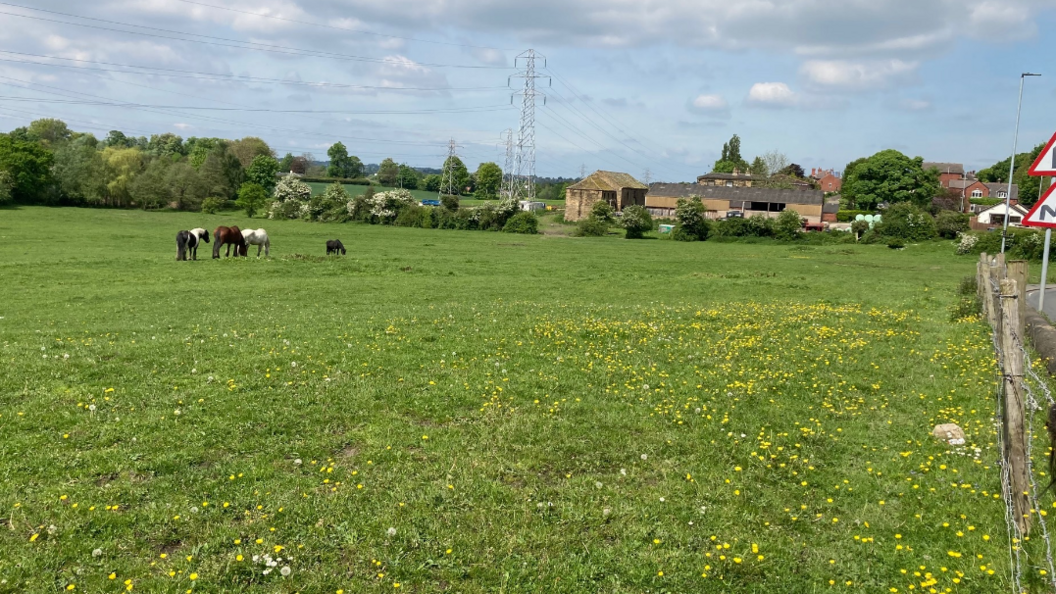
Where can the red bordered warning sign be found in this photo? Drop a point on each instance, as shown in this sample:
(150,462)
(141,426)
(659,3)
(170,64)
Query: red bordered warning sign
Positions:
(1043,214)
(1045,164)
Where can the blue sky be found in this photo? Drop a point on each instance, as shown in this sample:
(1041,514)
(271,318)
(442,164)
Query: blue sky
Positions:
(631,85)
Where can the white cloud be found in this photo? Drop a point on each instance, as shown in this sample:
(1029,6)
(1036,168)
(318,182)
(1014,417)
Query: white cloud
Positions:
(709,103)
(857,76)
(772,94)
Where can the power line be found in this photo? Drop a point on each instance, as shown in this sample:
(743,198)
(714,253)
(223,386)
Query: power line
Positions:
(219,41)
(325,26)
(243,125)
(175,73)
(484,108)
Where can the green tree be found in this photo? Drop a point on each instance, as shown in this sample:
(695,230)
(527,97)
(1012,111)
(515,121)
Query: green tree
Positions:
(759,168)
(787,225)
(730,158)
(602,211)
(388,173)
(891,177)
(251,198)
(221,173)
(636,220)
(249,148)
(165,145)
(850,167)
(489,180)
(906,221)
(340,163)
(79,171)
(457,177)
(29,165)
(407,178)
(692,217)
(263,171)
(949,224)
(286,164)
(182,181)
(150,189)
(7,184)
(198,149)
(121,166)
(117,138)
(49,132)
(431,183)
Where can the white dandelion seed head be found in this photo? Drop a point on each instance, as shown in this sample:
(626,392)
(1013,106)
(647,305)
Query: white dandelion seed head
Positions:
(391,532)
(195,370)
(210,378)
(298,462)
(539,505)
(194,510)
(42,349)
(661,500)
(293,364)
(606,511)
(623,471)
(285,571)
(597,484)
(97,553)
(266,571)
(176,412)
(256,558)
(91,407)
(645,456)
(645,386)
(52,529)
(66,356)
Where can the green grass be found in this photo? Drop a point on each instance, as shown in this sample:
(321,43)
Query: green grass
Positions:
(529,413)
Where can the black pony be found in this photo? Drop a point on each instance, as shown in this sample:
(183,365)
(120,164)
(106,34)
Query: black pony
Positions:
(188,241)
(334,246)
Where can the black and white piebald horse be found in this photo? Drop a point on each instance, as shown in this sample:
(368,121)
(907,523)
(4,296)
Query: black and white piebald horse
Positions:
(187,241)
(334,246)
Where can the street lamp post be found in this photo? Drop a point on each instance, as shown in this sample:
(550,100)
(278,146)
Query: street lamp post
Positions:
(1012,161)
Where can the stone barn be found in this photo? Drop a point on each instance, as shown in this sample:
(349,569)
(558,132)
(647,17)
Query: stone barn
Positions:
(620,190)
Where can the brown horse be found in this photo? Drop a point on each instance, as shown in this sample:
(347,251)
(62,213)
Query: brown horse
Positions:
(229,236)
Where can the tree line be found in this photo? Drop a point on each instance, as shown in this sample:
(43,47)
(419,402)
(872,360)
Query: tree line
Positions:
(48,163)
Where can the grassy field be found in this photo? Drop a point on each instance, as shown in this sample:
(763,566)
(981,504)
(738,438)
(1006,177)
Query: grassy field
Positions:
(445,411)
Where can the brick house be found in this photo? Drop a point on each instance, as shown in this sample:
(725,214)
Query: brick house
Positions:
(970,188)
(948,172)
(729,180)
(620,190)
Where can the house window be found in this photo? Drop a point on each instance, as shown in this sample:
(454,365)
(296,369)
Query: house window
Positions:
(977,193)
(1002,194)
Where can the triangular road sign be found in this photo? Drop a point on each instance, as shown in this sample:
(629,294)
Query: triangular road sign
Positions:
(1045,164)
(1043,214)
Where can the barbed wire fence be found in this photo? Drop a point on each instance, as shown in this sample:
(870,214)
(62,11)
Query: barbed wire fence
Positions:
(1020,395)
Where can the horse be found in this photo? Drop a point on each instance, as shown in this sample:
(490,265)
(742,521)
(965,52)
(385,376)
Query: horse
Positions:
(229,236)
(257,237)
(187,241)
(333,246)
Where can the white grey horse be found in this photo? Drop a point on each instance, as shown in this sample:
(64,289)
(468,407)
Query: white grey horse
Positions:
(259,238)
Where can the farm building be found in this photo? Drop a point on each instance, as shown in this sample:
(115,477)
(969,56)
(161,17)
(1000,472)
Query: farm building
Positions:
(663,198)
(620,190)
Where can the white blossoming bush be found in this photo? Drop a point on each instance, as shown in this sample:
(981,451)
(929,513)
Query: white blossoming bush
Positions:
(965,243)
(291,188)
(291,199)
(385,206)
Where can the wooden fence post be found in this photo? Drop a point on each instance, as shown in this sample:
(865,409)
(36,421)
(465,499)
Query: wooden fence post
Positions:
(993,302)
(1014,427)
(983,268)
(1017,271)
